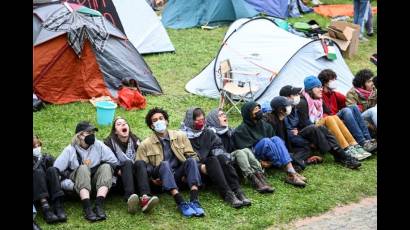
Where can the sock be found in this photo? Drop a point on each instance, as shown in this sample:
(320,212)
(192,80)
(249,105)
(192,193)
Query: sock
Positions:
(291,170)
(99,201)
(178,198)
(86,203)
(194,195)
(44,204)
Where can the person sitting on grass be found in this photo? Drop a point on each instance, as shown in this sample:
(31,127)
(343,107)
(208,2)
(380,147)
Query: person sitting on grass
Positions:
(317,137)
(46,185)
(281,108)
(89,163)
(364,95)
(258,135)
(311,111)
(214,164)
(124,144)
(335,104)
(217,121)
(171,162)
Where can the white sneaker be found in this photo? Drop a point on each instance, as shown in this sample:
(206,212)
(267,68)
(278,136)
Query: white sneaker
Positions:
(132,203)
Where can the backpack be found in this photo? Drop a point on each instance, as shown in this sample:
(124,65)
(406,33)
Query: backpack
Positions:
(130,95)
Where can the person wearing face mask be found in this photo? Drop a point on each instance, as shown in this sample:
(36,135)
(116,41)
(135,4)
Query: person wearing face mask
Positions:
(364,95)
(281,108)
(217,121)
(124,145)
(311,111)
(171,162)
(46,185)
(335,104)
(215,163)
(257,134)
(89,163)
(316,137)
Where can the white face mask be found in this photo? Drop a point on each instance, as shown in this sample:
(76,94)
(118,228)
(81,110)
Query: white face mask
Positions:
(296,100)
(160,126)
(332,84)
(37,152)
(288,109)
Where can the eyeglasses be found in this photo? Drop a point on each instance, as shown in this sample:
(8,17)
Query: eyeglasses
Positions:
(221,114)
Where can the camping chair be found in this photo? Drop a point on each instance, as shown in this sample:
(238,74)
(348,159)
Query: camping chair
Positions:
(232,90)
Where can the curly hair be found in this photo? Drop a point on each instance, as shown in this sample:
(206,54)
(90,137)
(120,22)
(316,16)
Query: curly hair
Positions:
(326,75)
(151,113)
(361,77)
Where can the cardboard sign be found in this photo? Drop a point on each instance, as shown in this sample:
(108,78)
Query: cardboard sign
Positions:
(346,35)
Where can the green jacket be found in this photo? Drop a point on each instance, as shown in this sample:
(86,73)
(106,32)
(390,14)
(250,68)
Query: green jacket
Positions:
(353,98)
(150,150)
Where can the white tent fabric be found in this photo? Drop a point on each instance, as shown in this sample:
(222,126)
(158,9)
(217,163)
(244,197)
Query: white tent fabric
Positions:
(143,27)
(256,48)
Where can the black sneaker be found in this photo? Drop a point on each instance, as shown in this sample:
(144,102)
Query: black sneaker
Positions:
(241,196)
(231,198)
(49,215)
(89,214)
(349,162)
(99,211)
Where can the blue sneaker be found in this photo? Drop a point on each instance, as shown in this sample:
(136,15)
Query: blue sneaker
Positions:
(195,205)
(186,209)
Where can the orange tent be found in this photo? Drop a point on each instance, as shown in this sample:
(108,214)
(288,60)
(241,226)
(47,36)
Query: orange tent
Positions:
(75,65)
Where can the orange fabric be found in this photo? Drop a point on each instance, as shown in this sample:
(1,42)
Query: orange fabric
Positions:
(130,99)
(339,130)
(338,10)
(61,77)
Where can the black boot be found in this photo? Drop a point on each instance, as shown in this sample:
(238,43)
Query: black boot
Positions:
(88,211)
(49,215)
(59,210)
(256,183)
(89,214)
(344,159)
(98,209)
(266,187)
(241,196)
(233,200)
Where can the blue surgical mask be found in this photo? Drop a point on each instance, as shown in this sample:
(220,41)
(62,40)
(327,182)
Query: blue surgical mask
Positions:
(160,126)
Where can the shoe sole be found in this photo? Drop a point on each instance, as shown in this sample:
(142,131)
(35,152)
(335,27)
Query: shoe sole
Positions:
(297,185)
(151,204)
(132,203)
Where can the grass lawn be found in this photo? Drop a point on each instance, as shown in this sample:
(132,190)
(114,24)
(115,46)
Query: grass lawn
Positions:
(329,184)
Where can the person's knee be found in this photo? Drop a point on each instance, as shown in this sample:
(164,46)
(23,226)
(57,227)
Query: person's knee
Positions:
(105,168)
(191,161)
(347,111)
(140,163)
(52,171)
(83,170)
(39,172)
(128,163)
(164,166)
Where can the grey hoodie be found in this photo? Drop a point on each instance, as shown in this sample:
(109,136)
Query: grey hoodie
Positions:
(97,153)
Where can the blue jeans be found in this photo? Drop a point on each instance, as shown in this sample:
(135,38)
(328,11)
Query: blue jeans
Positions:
(169,179)
(371,115)
(363,15)
(273,150)
(353,120)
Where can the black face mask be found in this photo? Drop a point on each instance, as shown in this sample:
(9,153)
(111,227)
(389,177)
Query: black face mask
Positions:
(258,115)
(90,139)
